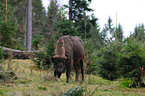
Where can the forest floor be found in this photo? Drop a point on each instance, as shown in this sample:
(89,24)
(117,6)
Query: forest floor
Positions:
(32,81)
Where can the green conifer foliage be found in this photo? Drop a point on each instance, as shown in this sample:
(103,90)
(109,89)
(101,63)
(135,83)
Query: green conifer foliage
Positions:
(139,32)
(7,28)
(119,32)
(77,14)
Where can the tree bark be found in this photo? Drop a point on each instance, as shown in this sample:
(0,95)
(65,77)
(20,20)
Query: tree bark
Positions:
(29,25)
(70,10)
(25,26)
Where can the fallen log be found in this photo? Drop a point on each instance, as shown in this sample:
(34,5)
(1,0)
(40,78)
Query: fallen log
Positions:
(18,54)
(13,50)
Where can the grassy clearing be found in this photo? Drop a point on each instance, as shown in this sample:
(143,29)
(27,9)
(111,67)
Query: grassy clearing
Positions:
(34,82)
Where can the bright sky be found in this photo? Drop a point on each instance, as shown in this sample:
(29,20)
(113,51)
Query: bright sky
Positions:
(129,12)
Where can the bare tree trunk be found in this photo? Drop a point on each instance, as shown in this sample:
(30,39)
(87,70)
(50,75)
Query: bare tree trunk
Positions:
(70,10)
(25,25)
(29,25)
(6,12)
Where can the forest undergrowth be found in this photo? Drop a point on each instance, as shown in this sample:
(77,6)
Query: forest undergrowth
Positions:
(32,81)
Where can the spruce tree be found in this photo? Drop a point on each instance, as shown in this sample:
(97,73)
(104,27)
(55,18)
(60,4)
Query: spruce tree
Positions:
(65,26)
(95,39)
(52,17)
(7,28)
(109,31)
(39,18)
(77,14)
(139,32)
(40,25)
(119,32)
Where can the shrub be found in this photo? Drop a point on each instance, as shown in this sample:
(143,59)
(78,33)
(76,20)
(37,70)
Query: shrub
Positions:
(92,66)
(42,59)
(131,62)
(75,92)
(125,83)
(107,60)
(42,88)
(131,58)
(79,92)
(1,53)
(37,41)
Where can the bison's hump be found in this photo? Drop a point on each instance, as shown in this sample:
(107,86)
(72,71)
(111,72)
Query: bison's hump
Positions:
(73,45)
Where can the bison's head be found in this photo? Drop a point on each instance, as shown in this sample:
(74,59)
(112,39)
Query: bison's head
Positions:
(59,65)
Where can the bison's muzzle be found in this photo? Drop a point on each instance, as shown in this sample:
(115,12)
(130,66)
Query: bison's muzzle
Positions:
(59,66)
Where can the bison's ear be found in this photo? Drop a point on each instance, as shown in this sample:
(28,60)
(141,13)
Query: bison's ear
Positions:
(52,59)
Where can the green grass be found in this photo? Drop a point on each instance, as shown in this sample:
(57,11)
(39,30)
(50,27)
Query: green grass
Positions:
(34,82)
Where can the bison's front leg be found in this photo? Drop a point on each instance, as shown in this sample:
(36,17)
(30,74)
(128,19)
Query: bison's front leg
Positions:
(69,64)
(59,74)
(68,73)
(55,73)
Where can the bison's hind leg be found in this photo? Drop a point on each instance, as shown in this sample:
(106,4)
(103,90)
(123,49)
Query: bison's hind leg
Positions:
(77,72)
(82,68)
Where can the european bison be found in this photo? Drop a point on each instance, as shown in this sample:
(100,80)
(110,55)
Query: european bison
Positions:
(69,52)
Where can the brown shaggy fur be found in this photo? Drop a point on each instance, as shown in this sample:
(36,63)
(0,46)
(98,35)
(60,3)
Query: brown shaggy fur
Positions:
(74,48)
(60,50)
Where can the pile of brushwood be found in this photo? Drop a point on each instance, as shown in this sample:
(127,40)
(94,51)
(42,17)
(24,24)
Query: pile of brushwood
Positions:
(6,75)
